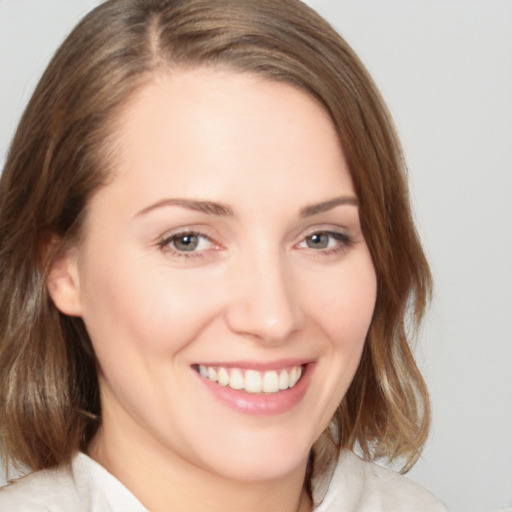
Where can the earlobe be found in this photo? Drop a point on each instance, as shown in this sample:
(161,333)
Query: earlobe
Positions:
(63,284)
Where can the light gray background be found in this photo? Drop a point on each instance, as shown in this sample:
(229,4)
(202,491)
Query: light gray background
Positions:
(445,69)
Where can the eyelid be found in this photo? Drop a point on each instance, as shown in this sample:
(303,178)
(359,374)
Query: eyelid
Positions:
(325,228)
(187,229)
(164,242)
(341,235)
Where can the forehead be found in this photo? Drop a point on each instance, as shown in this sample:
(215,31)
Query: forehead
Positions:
(197,131)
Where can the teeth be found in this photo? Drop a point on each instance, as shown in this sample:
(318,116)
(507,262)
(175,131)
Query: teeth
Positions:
(283,380)
(294,375)
(223,377)
(252,381)
(236,380)
(270,382)
(212,374)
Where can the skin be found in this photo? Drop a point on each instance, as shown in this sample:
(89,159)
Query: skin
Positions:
(256,288)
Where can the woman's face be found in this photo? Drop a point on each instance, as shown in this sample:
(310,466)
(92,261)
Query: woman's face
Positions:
(224,260)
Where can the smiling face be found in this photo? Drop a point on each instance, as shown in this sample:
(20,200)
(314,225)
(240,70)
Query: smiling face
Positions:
(223,277)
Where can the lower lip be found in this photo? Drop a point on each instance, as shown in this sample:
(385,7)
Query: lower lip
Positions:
(261,403)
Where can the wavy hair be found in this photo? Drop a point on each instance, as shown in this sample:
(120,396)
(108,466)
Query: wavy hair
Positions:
(61,155)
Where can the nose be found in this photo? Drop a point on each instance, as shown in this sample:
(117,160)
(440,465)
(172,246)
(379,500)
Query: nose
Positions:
(264,303)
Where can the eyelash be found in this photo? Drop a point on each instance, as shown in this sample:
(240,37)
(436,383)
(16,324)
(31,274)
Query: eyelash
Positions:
(166,244)
(343,242)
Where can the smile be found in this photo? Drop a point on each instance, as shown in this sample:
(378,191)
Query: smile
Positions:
(252,381)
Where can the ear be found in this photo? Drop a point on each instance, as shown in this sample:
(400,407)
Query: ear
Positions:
(64,285)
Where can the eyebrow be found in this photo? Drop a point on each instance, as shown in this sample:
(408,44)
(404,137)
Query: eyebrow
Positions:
(224,210)
(209,207)
(325,206)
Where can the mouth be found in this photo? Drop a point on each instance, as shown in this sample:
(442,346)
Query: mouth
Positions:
(252,380)
(253,388)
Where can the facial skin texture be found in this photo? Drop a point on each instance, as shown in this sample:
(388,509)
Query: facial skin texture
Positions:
(256,290)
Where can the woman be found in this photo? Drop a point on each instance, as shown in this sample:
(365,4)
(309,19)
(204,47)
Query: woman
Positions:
(208,265)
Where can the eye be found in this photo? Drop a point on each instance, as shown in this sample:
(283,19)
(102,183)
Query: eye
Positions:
(189,242)
(329,241)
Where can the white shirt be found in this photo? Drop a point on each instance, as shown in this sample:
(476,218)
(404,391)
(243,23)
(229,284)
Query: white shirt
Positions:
(85,486)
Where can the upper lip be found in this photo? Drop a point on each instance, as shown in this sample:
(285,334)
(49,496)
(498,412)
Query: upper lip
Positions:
(258,365)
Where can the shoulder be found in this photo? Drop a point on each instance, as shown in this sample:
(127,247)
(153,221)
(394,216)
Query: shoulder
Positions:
(83,486)
(47,490)
(362,486)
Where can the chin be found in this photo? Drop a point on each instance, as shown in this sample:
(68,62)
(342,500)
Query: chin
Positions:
(254,462)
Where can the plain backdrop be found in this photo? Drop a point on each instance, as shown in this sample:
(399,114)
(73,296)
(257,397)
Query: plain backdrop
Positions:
(445,69)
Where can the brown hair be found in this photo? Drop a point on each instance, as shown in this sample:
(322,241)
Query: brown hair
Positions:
(61,154)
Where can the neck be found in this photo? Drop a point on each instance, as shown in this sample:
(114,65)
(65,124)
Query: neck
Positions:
(163,481)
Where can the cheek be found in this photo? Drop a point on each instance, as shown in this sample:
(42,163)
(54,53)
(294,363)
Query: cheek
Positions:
(347,308)
(343,313)
(144,308)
